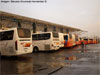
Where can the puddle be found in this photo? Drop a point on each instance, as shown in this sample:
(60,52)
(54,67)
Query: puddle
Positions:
(71,58)
(84,59)
(57,64)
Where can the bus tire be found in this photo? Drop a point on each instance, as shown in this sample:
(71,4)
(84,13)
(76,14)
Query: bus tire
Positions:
(35,49)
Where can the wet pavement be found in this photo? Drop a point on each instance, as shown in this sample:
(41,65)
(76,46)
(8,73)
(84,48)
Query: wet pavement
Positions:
(72,61)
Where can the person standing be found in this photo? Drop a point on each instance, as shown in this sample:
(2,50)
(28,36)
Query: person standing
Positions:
(82,46)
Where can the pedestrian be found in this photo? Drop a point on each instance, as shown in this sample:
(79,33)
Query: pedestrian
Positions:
(82,46)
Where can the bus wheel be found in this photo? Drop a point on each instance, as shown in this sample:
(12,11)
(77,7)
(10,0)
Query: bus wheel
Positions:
(35,49)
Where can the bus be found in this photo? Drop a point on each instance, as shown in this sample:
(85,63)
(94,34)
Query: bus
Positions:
(45,41)
(15,41)
(95,40)
(69,40)
(73,39)
(85,40)
(91,41)
(77,40)
(61,39)
(81,40)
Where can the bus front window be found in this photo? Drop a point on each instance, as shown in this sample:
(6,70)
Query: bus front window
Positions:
(24,33)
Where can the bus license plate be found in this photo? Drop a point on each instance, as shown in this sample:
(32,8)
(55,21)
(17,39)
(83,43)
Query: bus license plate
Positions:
(57,43)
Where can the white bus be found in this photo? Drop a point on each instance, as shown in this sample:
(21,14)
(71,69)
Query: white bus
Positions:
(74,40)
(61,39)
(15,41)
(45,41)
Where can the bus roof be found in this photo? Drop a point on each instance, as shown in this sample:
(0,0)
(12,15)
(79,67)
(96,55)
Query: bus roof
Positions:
(42,32)
(6,29)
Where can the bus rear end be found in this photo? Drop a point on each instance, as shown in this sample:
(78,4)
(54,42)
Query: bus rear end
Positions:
(77,40)
(69,40)
(23,43)
(55,44)
(91,41)
(73,40)
(61,39)
(96,41)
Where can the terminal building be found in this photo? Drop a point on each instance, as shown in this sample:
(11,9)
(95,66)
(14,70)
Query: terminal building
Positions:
(10,20)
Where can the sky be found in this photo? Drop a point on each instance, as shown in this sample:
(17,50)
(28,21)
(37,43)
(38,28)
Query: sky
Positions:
(83,14)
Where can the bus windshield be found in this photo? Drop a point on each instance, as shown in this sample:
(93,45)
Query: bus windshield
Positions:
(24,33)
(55,35)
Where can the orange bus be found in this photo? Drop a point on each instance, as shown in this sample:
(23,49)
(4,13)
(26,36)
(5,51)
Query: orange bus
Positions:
(85,40)
(69,40)
(91,41)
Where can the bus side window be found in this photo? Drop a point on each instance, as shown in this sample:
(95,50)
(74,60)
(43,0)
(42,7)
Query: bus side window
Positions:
(7,35)
(0,36)
(40,36)
(47,36)
(10,35)
(34,37)
(3,37)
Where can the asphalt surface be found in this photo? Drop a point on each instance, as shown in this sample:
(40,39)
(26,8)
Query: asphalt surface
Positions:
(70,61)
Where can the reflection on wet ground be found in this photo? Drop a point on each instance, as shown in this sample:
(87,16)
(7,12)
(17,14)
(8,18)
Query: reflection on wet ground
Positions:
(65,61)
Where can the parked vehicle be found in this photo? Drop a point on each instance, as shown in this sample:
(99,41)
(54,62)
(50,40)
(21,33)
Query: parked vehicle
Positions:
(77,40)
(91,41)
(15,41)
(85,40)
(61,39)
(69,40)
(45,41)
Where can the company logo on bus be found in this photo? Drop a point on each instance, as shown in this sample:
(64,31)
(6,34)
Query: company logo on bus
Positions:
(25,44)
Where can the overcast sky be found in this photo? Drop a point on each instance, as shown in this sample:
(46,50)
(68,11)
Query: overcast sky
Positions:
(83,14)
